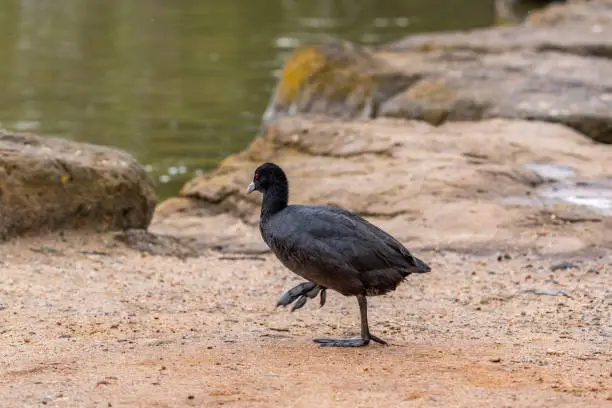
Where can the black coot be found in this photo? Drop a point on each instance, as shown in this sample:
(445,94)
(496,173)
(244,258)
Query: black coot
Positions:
(330,247)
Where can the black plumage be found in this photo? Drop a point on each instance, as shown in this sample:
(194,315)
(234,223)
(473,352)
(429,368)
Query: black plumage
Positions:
(331,248)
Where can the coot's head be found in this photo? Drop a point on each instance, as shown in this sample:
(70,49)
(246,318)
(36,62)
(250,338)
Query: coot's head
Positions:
(267,175)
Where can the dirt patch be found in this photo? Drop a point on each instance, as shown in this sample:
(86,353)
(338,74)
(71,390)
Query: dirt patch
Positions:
(86,322)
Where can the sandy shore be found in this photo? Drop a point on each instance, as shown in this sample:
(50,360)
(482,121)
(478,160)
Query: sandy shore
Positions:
(86,322)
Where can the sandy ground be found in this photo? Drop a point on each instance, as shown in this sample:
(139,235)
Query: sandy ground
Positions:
(86,322)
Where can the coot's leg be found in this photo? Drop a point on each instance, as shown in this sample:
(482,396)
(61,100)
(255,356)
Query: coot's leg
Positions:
(300,293)
(365,328)
(366,336)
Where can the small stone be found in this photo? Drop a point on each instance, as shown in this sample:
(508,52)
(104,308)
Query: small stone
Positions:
(495,360)
(562,266)
(551,292)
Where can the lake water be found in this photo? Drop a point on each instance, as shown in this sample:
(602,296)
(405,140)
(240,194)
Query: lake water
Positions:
(180,84)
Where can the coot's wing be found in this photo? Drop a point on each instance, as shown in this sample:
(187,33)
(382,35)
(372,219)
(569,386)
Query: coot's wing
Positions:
(363,245)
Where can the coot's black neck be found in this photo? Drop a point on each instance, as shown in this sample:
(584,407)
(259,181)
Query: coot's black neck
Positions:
(275,199)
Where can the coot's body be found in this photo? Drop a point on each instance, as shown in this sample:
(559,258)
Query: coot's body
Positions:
(331,248)
(338,250)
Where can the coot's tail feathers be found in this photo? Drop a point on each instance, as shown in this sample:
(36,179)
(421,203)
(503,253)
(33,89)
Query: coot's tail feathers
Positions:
(419,266)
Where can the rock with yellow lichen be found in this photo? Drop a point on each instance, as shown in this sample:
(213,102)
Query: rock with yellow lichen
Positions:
(336,78)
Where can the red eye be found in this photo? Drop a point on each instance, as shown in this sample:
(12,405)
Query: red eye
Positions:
(256,176)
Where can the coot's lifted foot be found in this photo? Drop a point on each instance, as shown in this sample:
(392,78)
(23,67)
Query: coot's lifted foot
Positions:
(300,294)
(366,336)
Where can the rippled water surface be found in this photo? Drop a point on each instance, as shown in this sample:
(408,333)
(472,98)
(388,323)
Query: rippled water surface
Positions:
(178,83)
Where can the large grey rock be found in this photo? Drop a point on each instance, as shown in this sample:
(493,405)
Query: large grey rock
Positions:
(50,184)
(547,86)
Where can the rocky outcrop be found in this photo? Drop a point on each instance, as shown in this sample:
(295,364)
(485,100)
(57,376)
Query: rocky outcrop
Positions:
(50,184)
(555,67)
(465,185)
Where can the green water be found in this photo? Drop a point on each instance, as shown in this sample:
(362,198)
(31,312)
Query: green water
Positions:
(178,83)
